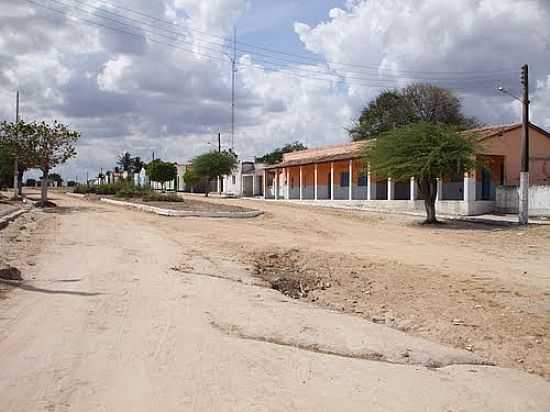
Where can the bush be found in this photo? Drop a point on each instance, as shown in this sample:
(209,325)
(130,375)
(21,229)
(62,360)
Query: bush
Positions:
(131,191)
(152,196)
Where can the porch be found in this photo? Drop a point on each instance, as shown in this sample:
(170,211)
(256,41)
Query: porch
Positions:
(350,183)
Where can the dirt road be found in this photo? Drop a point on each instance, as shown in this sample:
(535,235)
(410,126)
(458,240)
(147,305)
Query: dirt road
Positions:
(124,311)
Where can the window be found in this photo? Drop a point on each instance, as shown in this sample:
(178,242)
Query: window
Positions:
(233,179)
(344,179)
(362,180)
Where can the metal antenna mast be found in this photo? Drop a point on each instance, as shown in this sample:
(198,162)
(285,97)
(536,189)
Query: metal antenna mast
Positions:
(233,75)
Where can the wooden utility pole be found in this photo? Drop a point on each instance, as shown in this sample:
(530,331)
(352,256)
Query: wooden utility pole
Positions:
(524,173)
(16,160)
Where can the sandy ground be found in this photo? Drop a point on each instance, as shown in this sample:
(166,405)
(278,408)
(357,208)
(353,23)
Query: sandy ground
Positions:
(123,310)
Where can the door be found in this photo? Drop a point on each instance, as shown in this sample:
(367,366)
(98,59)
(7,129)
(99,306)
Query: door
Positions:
(485,184)
(329,180)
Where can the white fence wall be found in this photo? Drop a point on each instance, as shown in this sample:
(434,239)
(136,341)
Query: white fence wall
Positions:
(539,200)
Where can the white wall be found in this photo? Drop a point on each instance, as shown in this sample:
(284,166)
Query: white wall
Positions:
(539,200)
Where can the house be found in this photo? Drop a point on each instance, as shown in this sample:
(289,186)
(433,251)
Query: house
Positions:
(141,179)
(336,175)
(246,180)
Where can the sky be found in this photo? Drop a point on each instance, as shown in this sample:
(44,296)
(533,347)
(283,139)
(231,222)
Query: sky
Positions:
(148,76)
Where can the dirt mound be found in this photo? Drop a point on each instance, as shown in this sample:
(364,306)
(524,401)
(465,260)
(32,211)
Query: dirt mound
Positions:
(45,204)
(287,273)
(8,272)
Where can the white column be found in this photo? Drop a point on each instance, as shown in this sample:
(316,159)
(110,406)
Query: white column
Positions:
(276,184)
(265,184)
(331,180)
(315,182)
(350,180)
(287,181)
(391,189)
(253,185)
(439,189)
(371,186)
(301,184)
(414,190)
(469,187)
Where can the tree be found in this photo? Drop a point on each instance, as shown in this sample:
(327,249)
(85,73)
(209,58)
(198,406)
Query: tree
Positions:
(425,151)
(130,164)
(414,103)
(125,161)
(52,145)
(137,164)
(162,172)
(15,143)
(6,166)
(55,177)
(30,182)
(276,155)
(191,179)
(214,165)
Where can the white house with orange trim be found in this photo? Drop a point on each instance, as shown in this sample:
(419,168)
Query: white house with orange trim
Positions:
(336,176)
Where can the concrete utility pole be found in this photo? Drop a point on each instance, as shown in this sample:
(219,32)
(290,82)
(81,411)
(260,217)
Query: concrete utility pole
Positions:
(16,161)
(524,173)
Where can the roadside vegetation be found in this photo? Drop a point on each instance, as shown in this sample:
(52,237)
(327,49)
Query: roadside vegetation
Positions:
(213,165)
(127,190)
(36,145)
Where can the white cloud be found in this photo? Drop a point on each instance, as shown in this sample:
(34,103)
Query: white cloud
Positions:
(126,93)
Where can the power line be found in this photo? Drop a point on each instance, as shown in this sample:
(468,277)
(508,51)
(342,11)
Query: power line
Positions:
(482,76)
(316,71)
(295,71)
(303,57)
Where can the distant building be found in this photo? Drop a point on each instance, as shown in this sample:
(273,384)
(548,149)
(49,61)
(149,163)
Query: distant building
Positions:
(246,180)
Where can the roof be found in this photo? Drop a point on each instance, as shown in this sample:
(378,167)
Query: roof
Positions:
(498,130)
(321,154)
(354,150)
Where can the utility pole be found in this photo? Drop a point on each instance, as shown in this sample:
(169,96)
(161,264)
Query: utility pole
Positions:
(524,173)
(16,160)
(233,75)
(219,151)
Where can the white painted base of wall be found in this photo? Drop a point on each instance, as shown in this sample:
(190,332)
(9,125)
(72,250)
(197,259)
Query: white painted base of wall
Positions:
(539,200)
(444,207)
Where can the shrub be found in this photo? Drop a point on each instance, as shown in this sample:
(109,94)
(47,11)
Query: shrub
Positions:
(129,191)
(152,196)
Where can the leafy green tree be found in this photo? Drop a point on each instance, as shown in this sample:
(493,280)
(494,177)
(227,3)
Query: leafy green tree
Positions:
(15,143)
(276,155)
(130,164)
(6,166)
(30,182)
(214,165)
(425,151)
(55,177)
(52,145)
(191,179)
(137,164)
(161,172)
(414,103)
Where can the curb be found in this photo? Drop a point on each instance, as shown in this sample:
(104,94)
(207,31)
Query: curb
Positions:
(78,195)
(7,218)
(183,213)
